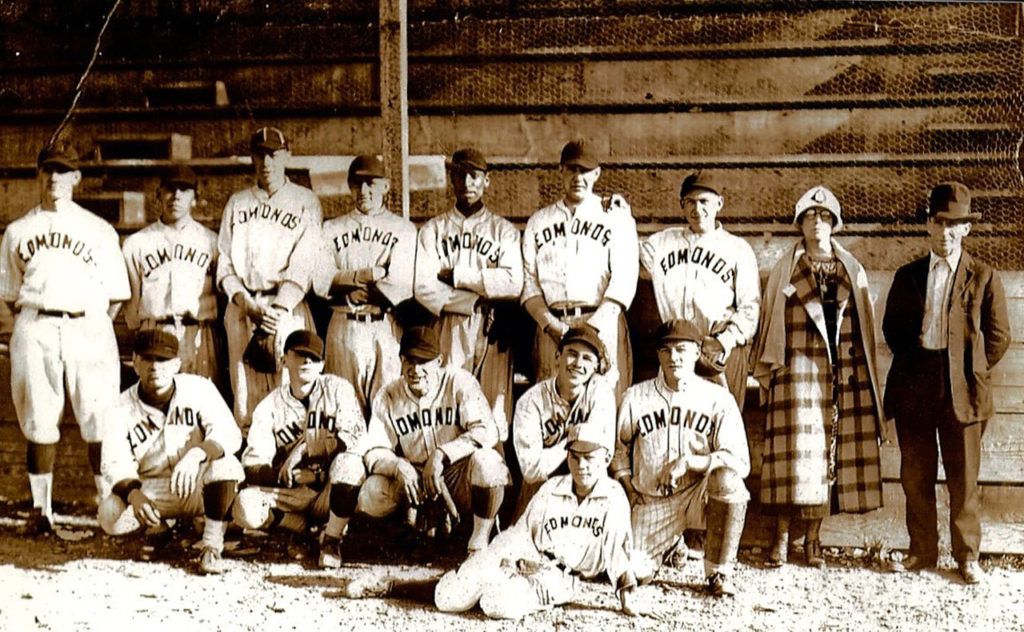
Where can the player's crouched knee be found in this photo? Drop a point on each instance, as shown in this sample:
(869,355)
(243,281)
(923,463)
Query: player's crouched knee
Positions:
(379,496)
(512,599)
(725,484)
(114,517)
(454,594)
(226,468)
(251,509)
(487,469)
(348,469)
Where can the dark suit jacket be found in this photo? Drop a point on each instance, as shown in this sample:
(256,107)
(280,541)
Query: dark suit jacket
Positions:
(979,334)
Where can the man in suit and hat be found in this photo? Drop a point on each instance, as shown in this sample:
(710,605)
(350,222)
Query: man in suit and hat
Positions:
(946,323)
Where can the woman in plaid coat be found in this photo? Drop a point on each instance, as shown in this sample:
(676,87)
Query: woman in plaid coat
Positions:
(814,358)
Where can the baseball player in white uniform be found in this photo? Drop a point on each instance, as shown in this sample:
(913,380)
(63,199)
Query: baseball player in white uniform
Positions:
(268,245)
(366,270)
(467,260)
(432,429)
(576,527)
(301,459)
(169,450)
(62,274)
(171,266)
(682,457)
(577,394)
(581,263)
(706,275)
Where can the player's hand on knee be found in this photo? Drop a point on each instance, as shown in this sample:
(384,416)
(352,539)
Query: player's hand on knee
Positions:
(673,475)
(433,473)
(359,296)
(183,478)
(271,319)
(409,478)
(142,506)
(303,476)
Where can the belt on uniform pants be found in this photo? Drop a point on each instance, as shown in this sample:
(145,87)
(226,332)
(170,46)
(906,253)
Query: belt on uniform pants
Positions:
(188,321)
(566,312)
(365,317)
(56,313)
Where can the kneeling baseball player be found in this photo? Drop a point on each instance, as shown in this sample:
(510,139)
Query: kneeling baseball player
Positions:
(430,442)
(169,450)
(300,461)
(682,456)
(575,526)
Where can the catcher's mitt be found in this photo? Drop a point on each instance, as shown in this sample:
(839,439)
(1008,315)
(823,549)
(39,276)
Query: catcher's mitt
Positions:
(438,517)
(712,358)
(260,353)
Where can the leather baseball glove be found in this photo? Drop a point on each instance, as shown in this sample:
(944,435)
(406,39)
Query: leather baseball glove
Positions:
(260,353)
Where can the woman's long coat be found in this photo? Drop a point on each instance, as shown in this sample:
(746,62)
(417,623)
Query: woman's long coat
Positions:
(791,363)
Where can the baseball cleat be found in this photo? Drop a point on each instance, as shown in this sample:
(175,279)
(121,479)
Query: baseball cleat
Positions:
(330,552)
(718,585)
(368,587)
(210,562)
(38,525)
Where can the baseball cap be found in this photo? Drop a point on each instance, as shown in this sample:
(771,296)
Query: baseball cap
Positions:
(577,153)
(60,155)
(366,166)
(584,333)
(677,330)
(419,344)
(701,180)
(156,344)
(468,159)
(951,201)
(585,437)
(267,140)
(305,343)
(819,197)
(179,177)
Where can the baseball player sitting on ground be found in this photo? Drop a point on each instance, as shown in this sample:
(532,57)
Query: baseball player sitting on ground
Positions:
(62,274)
(575,526)
(171,265)
(706,275)
(581,263)
(431,439)
(577,394)
(300,459)
(682,456)
(469,260)
(169,451)
(268,245)
(365,271)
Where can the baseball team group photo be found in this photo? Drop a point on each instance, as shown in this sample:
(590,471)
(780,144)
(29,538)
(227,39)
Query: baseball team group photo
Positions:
(739,350)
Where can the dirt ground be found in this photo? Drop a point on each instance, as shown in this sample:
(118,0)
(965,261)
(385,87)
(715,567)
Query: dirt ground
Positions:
(83,580)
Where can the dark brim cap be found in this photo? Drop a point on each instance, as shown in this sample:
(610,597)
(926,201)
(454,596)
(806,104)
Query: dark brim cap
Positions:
(305,343)
(586,334)
(267,140)
(700,180)
(179,177)
(577,153)
(366,166)
(468,159)
(951,201)
(678,330)
(156,344)
(59,155)
(420,345)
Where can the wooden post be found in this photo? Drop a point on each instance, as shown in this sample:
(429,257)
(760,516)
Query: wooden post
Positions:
(394,97)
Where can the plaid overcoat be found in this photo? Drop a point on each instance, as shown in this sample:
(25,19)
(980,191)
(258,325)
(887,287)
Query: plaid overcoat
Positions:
(791,360)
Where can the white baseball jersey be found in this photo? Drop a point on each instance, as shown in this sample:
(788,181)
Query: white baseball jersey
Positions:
(589,537)
(143,442)
(657,425)
(268,239)
(580,258)
(330,422)
(543,418)
(64,260)
(171,272)
(484,253)
(710,278)
(356,241)
(454,417)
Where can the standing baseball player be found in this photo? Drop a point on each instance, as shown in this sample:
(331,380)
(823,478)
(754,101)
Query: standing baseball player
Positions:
(578,394)
(581,265)
(366,271)
(62,274)
(431,438)
(169,450)
(268,246)
(576,526)
(468,261)
(171,265)
(682,456)
(301,459)
(704,274)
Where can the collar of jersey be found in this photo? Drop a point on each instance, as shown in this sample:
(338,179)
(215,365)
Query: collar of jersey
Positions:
(564,488)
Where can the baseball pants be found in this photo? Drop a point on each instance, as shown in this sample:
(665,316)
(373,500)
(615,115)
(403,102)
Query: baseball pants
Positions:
(54,355)
(248,385)
(117,517)
(382,495)
(198,346)
(616,341)
(492,578)
(463,341)
(364,352)
(254,505)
